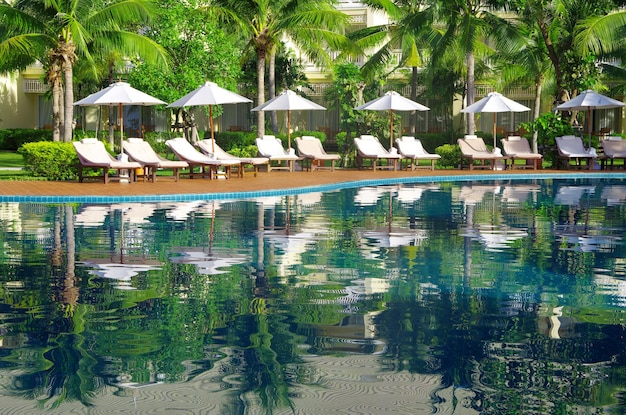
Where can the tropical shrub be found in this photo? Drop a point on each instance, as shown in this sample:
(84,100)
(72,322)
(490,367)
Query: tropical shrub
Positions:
(450,155)
(548,126)
(230,140)
(51,160)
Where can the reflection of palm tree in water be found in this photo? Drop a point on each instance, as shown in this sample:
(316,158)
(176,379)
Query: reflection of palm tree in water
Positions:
(263,364)
(63,368)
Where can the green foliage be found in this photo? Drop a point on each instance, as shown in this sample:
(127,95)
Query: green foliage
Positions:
(199,51)
(344,94)
(246,151)
(450,155)
(431,141)
(230,140)
(12,139)
(52,160)
(290,72)
(549,126)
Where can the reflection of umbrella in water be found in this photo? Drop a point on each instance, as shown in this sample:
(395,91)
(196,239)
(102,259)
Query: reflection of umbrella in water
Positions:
(472,195)
(495,102)
(614,195)
(571,195)
(496,238)
(369,195)
(413,193)
(119,93)
(122,272)
(208,263)
(288,101)
(91,216)
(209,94)
(392,101)
(394,238)
(516,194)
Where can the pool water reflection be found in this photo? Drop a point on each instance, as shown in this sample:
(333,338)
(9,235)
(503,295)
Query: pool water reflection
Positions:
(490,297)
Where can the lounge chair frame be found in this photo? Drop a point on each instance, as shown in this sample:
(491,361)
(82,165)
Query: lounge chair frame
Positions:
(140,151)
(369,147)
(613,148)
(518,148)
(208,147)
(572,148)
(271,147)
(412,150)
(474,149)
(93,155)
(208,166)
(313,155)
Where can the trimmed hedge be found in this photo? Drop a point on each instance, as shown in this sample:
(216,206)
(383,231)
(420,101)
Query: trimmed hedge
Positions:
(13,139)
(51,160)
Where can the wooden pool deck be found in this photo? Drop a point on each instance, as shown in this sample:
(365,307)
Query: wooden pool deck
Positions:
(274,180)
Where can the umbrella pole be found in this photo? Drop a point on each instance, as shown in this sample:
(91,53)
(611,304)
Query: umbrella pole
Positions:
(211,127)
(288,130)
(121,128)
(390,129)
(589,124)
(495,116)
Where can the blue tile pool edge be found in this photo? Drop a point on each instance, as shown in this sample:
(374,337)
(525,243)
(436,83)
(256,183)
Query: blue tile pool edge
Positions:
(302,190)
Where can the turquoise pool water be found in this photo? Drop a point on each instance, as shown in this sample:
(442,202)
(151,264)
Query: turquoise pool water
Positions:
(505,296)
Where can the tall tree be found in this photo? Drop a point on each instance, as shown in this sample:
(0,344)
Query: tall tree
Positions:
(199,51)
(409,27)
(314,26)
(561,24)
(467,27)
(60,32)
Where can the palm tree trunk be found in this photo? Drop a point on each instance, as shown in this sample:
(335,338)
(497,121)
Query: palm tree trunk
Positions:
(260,70)
(68,117)
(471,92)
(271,80)
(413,115)
(57,92)
(537,112)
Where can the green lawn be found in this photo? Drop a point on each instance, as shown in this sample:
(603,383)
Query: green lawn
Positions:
(11,159)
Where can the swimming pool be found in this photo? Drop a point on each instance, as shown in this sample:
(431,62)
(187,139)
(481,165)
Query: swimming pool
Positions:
(493,296)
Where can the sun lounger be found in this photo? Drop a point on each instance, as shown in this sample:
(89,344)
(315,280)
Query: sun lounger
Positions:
(311,150)
(272,148)
(369,148)
(92,154)
(208,166)
(140,151)
(208,147)
(571,147)
(518,148)
(614,148)
(473,149)
(411,149)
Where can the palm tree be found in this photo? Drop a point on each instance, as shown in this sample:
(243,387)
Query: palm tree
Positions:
(467,25)
(410,23)
(58,33)
(312,25)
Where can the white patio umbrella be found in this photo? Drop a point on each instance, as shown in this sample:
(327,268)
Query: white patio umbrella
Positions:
(495,102)
(119,93)
(392,101)
(588,101)
(209,94)
(288,101)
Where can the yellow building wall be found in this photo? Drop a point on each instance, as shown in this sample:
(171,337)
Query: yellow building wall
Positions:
(18,109)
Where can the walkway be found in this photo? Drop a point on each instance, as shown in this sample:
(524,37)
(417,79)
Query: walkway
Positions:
(264,181)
